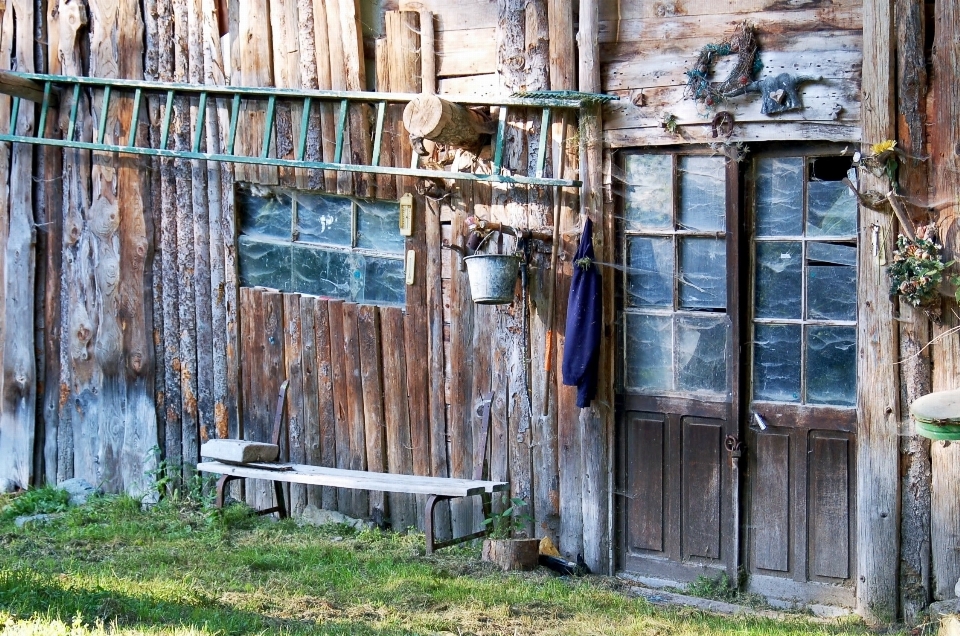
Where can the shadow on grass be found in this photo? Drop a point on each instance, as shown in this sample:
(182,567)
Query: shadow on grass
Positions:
(26,595)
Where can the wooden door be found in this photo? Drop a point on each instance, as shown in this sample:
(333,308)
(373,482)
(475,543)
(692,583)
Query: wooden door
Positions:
(800,526)
(679,380)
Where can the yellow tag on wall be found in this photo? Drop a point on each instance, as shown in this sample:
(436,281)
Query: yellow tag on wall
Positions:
(406,215)
(411,264)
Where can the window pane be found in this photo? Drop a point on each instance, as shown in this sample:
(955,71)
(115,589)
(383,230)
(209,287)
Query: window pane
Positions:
(832,292)
(649,365)
(384,281)
(324,219)
(702,353)
(833,253)
(703,199)
(776,363)
(650,271)
(703,273)
(263,212)
(648,192)
(378,226)
(779,194)
(831,368)
(326,273)
(831,209)
(264,264)
(778,285)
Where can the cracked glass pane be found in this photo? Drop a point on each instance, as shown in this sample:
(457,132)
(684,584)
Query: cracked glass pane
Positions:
(385,281)
(378,226)
(327,273)
(831,209)
(703,199)
(701,352)
(263,212)
(776,363)
(650,271)
(325,219)
(832,253)
(831,366)
(703,273)
(648,192)
(832,292)
(779,196)
(649,352)
(778,286)
(264,264)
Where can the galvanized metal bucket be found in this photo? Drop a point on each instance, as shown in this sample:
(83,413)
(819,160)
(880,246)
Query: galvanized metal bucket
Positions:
(493,278)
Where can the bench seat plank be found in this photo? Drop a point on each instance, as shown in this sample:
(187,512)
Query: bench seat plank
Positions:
(358,479)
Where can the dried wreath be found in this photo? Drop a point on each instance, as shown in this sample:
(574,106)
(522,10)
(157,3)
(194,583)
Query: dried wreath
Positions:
(744,43)
(917,272)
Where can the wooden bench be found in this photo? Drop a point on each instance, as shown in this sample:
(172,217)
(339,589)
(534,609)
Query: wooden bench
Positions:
(436,488)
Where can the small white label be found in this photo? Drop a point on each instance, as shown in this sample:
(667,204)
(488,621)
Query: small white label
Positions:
(785,257)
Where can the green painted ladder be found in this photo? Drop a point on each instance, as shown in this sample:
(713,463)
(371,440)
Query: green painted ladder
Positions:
(45,89)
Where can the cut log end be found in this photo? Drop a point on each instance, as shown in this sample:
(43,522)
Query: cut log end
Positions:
(429,117)
(512,554)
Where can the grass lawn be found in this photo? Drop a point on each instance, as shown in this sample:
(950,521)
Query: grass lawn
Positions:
(179,568)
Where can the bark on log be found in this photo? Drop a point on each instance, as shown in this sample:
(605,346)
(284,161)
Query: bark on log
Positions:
(441,121)
(512,554)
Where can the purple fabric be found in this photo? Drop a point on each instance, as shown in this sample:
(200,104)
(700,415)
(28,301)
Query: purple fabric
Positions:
(581,355)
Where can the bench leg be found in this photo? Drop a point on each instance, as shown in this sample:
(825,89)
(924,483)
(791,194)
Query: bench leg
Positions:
(280,508)
(222,488)
(432,543)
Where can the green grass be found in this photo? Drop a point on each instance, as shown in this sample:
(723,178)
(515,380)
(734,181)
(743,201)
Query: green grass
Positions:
(110,568)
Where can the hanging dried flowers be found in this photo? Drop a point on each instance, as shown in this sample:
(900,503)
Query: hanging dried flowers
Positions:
(917,272)
(709,94)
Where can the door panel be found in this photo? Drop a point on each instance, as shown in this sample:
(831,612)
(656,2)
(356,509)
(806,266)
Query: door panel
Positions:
(771,503)
(645,482)
(702,443)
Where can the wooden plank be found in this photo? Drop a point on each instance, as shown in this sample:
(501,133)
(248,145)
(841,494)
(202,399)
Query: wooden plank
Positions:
(284,30)
(456,15)
(701,489)
(750,132)
(310,401)
(253,60)
(877,390)
(829,500)
(403,508)
(468,53)
(324,64)
(354,399)
(387,184)
(480,85)
(326,398)
(359,149)
(294,355)
(249,355)
(770,503)
(620,11)
(401,28)
(307,63)
(428,53)
(269,377)
(341,408)
(644,483)
(794,22)
(368,326)
(18,406)
(352,479)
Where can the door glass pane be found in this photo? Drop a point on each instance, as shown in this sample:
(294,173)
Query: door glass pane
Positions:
(650,271)
(832,292)
(779,196)
(378,226)
(776,363)
(778,279)
(702,353)
(703,200)
(832,209)
(831,367)
(649,352)
(325,219)
(648,192)
(264,264)
(832,253)
(703,273)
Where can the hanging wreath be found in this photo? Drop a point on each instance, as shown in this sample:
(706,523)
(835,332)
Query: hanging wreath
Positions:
(743,43)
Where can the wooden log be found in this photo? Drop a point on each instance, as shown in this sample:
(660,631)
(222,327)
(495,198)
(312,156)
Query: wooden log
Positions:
(255,69)
(399,454)
(441,121)
(23,88)
(386,184)
(308,79)
(268,378)
(309,403)
(944,131)
(327,420)
(368,331)
(512,554)
(251,353)
(18,406)
(354,398)
(338,364)
(359,149)
(403,42)
(294,355)
(325,61)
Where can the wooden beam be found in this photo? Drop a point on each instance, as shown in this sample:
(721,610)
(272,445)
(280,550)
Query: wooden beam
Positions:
(878,496)
(24,89)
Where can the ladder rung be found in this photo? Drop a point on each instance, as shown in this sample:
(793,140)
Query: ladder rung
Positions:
(304,128)
(234,117)
(201,112)
(341,127)
(137,96)
(105,109)
(501,133)
(378,136)
(44,109)
(268,127)
(167,114)
(73,112)
(14,115)
(544,137)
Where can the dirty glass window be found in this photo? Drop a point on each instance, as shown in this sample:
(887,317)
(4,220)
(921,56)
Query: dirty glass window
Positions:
(676,328)
(320,244)
(804,281)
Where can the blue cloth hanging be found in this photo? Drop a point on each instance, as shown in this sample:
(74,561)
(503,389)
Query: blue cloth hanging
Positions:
(581,354)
